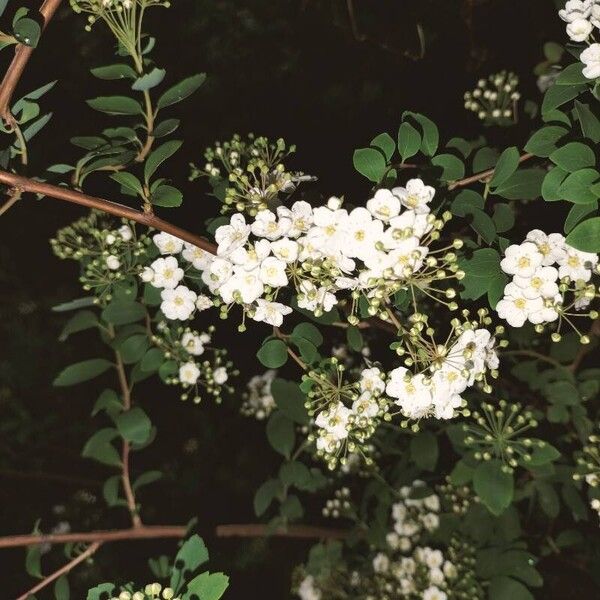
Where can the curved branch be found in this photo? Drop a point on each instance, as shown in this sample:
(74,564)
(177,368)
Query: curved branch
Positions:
(120,210)
(140,533)
(62,571)
(19,61)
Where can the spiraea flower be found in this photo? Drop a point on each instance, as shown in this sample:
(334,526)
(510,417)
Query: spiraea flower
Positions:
(495,99)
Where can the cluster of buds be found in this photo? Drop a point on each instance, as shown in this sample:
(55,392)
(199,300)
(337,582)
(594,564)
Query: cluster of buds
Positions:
(152,591)
(458,499)
(252,171)
(181,348)
(116,13)
(107,255)
(495,99)
(588,469)
(498,432)
(339,506)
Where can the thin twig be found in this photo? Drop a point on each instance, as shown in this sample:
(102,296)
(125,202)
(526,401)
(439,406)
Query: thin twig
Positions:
(144,532)
(17,66)
(483,175)
(13,198)
(283,337)
(119,210)
(308,532)
(62,571)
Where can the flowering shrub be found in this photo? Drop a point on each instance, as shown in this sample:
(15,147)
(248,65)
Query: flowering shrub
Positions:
(429,329)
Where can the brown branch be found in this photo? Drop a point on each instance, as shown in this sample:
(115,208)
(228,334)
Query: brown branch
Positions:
(144,532)
(13,196)
(483,175)
(307,532)
(62,571)
(19,61)
(113,208)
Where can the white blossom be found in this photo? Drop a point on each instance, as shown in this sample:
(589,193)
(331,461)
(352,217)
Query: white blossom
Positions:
(178,303)
(167,243)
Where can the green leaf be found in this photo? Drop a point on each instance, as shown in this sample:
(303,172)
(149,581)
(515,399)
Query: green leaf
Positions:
(121,312)
(544,141)
(558,95)
(548,499)
(507,164)
(110,490)
(573,156)
(133,348)
(265,494)
(134,425)
(159,156)
(309,332)
(291,508)
(36,126)
(27,31)
(192,554)
(82,371)
(74,304)
(579,212)
(576,187)
(480,271)
(273,354)
(465,202)
(116,105)
(147,478)
(589,122)
(371,163)
(504,217)
(542,455)
(431,136)
(483,224)
(181,91)
(109,402)
(586,236)
(290,400)
(452,167)
(119,71)
(280,433)
(295,474)
(461,474)
(524,184)
(149,80)
(354,338)
(167,196)
(61,588)
(129,181)
(165,128)
(572,75)
(100,591)
(33,561)
(99,447)
(409,141)
(152,360)
(506,588)
(80,321)
(385,143)
(493,485)
(207,586)
(551,184)
(424,450)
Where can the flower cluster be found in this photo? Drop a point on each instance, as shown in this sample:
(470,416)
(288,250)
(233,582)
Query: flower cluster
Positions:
(450,369)
(252,170)
(339,506)
(588,468)
(494,100)
(347,413)
(152,591)
(111,11)
(107,255)
(258,400)
(182,348)
(544,269)
(499,432)
(581,17)
(371,252)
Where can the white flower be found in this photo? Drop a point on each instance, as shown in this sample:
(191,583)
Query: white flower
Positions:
(412,394)
(167,243)
(301,216)
(167,273)
(272,272)
(307,589)
(251,256)
(542,283)
(327,234)
(199,258)
(551,246)
(312,297)
(365,406)
(434,593)
(147,275)
(192,343)
(384,205)
(408,224)
(178,303)
(371,381)
(220,375)
(579,30)
(362,232)
(515,308)
(590,57)
(381,563)
(334,420)
(574,10)
(203,302)
(270,312)
(577,265)
(219,271)
(416,195)
(246,284)
(285,250)
(232,236)
(189,373)
(112,262)
(522,260)
(125,233)
(267,226)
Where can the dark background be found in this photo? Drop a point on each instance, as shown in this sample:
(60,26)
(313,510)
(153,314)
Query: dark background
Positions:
(289,68)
